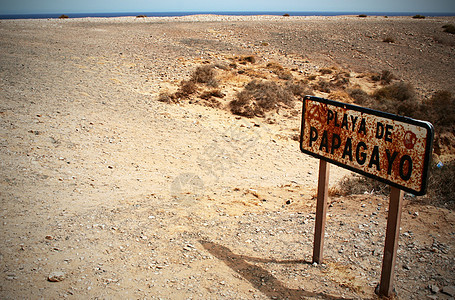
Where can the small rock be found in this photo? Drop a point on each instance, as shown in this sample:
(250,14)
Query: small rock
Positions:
(434,288)
(49,237)
(56,276)
(449,290)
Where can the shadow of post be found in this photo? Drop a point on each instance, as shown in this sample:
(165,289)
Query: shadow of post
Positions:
(259,277)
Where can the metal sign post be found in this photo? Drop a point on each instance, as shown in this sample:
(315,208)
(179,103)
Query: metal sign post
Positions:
(392,149)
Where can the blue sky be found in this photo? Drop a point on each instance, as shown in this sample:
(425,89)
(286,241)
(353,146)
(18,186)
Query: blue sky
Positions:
(96,6)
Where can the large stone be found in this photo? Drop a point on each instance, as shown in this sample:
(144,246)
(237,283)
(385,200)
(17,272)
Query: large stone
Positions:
(56,276)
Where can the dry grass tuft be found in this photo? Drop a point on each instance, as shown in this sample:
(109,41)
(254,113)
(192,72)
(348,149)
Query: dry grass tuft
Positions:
(205,75)
(260,97)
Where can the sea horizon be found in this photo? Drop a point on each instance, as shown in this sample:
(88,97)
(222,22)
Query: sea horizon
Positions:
(225,13)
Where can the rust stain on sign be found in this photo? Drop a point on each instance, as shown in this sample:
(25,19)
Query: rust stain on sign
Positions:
(389,148)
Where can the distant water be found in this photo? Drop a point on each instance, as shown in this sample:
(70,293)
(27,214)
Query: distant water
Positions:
(180,14)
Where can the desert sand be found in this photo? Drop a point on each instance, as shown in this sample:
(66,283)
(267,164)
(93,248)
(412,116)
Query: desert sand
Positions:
(107,193)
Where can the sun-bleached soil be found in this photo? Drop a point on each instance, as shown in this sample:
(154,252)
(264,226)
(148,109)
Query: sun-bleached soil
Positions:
(127,197)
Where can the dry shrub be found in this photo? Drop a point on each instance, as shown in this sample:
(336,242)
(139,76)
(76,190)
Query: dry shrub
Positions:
(166,97)
(440,110)
(259,97)
(254,73)
(205,75)
(418,17)
(397,98)
(285,75)
(187,88)
(385,77)
(441,190)
(63,17)
(212,102)
(279,70)
(357,184)
(299,88)
(323,86)
(360,96)
(340,81)
(340,96)
(449,28)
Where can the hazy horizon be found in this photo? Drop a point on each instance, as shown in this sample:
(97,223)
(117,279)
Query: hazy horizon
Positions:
(119,6)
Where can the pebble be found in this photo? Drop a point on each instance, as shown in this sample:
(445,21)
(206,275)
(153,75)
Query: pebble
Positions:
(56,276)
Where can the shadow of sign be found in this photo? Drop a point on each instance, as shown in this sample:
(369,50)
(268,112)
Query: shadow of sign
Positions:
(260,278)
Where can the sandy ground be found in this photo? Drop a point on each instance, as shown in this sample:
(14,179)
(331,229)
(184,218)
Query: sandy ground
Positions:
(118,195)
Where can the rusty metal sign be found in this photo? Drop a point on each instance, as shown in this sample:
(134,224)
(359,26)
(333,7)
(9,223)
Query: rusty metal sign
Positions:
(389,148)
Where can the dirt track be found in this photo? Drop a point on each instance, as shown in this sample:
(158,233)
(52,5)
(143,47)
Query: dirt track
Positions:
(133,198)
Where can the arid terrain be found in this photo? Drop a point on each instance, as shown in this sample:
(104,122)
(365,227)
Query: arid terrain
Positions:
(108,193)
